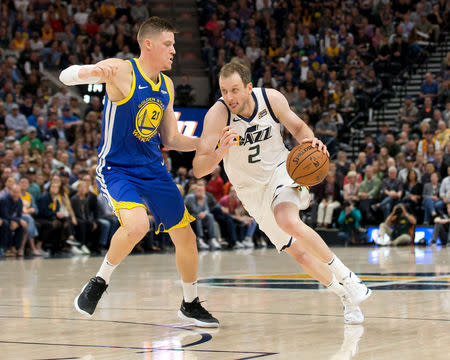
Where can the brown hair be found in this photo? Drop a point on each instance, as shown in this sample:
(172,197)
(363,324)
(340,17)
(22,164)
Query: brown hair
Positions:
(235,67)
(152,26)
(412,171)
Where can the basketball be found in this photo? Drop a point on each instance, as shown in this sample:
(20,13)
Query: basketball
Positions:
(307,165)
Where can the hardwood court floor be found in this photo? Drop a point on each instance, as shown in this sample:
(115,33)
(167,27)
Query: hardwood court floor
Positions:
(267,308)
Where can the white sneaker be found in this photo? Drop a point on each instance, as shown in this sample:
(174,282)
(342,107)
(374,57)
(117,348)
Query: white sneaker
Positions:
(352,313)
(248,243)
(356,289)
(214,244)
(305,198)
(75,251)
(85,249)
(44,253)
(238,245)
(202,245)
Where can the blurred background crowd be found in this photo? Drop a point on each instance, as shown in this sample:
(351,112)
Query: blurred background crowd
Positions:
(333,60)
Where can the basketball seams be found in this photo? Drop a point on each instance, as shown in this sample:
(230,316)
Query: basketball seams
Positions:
(299,177)
(307,156)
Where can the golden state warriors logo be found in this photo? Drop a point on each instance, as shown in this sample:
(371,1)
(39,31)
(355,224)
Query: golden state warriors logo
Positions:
(148,119)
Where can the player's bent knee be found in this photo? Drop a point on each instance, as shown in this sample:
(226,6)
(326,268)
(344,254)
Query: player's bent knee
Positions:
(137,231)
(135,223)
(289,224)
(287,217)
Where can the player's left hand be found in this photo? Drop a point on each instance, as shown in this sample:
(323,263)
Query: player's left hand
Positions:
(320,145)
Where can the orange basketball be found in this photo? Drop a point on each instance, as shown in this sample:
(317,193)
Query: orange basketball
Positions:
(306,165)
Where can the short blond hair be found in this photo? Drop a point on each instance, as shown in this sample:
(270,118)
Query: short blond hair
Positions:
(154,26)
(235,67)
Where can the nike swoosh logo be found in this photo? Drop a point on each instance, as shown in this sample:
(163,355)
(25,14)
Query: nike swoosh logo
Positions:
(162,163)
(142,87)
(236,120)
(164,91)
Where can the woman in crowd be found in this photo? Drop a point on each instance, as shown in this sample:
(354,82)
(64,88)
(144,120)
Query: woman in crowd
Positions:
(412,191)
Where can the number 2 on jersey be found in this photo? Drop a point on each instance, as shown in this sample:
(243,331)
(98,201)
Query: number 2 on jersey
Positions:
(252,157)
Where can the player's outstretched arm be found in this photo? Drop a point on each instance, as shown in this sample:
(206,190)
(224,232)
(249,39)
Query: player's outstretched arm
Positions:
(296,126)
(104,71)
(168,129)
(216,140)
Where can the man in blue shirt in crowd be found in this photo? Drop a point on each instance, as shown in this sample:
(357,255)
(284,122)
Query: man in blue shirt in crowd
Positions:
(429,88)
(70,119)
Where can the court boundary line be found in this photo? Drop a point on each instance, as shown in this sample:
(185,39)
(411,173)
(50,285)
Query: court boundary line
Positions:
(223,312)
(256,354)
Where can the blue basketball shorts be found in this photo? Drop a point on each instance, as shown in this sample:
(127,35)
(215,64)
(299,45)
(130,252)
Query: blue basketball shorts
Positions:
(127,188)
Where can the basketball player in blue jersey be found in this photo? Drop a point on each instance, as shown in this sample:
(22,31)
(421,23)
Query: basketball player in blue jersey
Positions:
(246,123)
(131,173)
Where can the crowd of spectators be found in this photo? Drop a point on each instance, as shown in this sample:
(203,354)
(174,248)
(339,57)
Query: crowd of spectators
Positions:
(330,59)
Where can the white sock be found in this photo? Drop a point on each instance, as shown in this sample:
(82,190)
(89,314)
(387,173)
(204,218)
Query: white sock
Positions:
(189,291)
(338,268)
(337,288)
(106,270)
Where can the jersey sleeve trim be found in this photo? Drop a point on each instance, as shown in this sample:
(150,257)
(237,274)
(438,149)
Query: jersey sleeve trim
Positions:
(167,86)
(266,99)
(133,86)
(228,110)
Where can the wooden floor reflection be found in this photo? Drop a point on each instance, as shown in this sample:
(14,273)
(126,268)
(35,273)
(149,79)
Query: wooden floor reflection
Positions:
(267,306)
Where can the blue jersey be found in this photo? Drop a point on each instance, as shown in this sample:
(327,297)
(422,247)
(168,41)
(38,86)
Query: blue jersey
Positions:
(130,135)
(130,170)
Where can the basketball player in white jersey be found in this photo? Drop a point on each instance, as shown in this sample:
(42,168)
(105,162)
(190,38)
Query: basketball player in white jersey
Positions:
(245,123)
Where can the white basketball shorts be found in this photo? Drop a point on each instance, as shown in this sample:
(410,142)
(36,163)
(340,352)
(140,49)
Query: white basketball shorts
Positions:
(260,200)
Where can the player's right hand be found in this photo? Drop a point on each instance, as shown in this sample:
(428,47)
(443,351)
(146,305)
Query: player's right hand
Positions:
(228,138)
(319,144)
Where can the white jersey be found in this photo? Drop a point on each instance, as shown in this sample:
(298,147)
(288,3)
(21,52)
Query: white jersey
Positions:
(257,168)
(261,148)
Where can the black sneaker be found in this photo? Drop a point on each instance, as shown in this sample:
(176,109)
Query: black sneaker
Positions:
(86,302)
(195,311)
